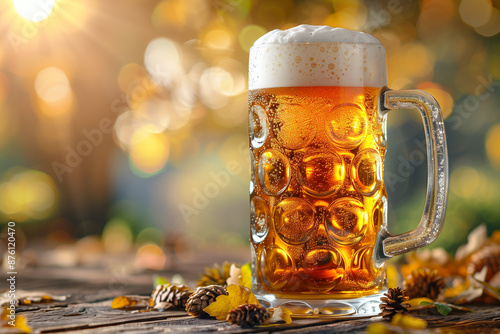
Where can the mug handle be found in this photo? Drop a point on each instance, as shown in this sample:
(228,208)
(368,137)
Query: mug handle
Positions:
(432,219)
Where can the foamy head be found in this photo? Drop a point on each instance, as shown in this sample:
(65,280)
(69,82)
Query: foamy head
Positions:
(317,56)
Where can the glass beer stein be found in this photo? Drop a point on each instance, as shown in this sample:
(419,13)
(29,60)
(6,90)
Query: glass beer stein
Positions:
(318,206)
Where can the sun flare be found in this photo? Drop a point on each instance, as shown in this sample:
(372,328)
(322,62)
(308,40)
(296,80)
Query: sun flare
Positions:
(34,10)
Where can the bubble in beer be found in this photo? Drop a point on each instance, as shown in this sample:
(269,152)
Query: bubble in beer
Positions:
(321,173)
(380,213)
(294,220)
(366,171)
(258,127)
(277,267)
(252,172)
(293,126)
(347,221)
(363,270)
(347,125)
(259,218)
(274,172)
(322,269)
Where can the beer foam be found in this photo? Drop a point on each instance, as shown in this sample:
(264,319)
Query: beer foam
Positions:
(316,56)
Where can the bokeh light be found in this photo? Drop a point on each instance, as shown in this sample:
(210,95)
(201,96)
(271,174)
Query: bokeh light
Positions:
(52,84)
(150,256)
(475,13)
(117,237)
(218,38)
(493,145)
(465,182)
(27,195)
(34,10)
(249,35)
(162,60)
(149,235)
(492,27)
(149,151)
(180,13)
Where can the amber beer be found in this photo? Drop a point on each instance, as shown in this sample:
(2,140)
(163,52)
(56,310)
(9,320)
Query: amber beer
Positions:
(317,190)
(318,207)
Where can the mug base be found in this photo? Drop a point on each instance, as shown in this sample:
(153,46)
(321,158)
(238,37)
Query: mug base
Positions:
(367,306)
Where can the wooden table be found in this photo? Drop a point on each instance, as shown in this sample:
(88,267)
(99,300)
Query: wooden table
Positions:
(90,291)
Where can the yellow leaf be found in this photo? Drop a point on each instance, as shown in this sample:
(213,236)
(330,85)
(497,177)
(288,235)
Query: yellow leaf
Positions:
(286,316)
(120,302)
(415,302)
(131,302)
(16,325)
(278,315)
(236,296)
(393,276)
(22,324)
(246,275)
(378,328)
(408,321)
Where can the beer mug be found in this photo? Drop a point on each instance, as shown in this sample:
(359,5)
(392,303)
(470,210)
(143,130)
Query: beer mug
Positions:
(318,103)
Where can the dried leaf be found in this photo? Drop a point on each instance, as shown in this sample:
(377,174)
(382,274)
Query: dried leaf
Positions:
(495,280)
(279,314)
(162,306)
(237,295)
(407,321)
(131,302)
(234,274)
(13,323)
(487,288)
(495,237)
(159,280)
(216,275)
(476,239)
(435,259)
(25,297)
(463,293)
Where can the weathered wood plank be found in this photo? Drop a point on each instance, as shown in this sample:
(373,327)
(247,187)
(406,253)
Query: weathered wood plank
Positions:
(50,320)
(87,310)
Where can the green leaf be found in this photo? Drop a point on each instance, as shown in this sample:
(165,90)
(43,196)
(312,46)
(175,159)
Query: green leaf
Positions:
(159,280)
(445,308)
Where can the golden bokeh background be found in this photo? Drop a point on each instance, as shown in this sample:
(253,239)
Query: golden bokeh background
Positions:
(123,124)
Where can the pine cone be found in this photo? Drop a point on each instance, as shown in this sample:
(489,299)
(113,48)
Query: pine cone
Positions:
(166,296)
(202,297)
(248,315)
(216,275)
(424,282)
(393,303)
(489,257)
